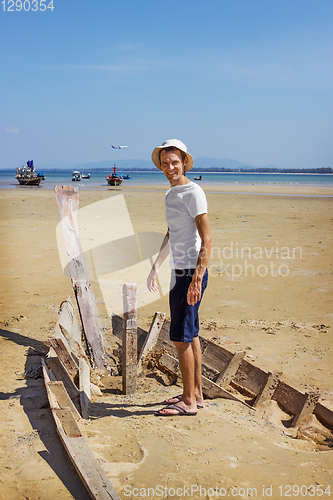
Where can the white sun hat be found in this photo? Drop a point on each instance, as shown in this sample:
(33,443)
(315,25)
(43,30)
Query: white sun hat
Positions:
(172,143)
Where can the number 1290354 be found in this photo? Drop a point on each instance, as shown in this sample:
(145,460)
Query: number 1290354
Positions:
(27,5)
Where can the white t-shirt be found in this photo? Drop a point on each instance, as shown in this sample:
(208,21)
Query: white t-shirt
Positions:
(182,205)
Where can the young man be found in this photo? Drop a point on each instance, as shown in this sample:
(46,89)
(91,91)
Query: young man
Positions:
(189,243)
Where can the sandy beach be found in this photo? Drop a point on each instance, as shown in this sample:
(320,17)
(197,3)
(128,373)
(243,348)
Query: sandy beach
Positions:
(269,293)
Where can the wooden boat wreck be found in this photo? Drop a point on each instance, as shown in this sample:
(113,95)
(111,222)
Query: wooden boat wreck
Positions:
(77,355)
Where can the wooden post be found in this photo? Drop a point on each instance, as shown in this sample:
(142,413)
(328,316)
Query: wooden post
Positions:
(151,339)
(129,339)
(268,389)
(68,205)
(309,404)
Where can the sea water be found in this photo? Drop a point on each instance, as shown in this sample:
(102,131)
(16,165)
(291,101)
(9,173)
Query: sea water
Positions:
(141,178)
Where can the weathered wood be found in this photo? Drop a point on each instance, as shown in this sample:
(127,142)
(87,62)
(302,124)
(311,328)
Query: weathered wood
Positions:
(268,388)
(84,461)
(68,320)
(92,475)
(210,389)
(76,348)
(61,374)
(62,398)
(151,338)
(62,351)
(68,204)
(248,378)
(61,333)
(117,330)
(310,401)
(324,415)
(129,339)
(228,373)
(84,378)
(68,422)
(89,320)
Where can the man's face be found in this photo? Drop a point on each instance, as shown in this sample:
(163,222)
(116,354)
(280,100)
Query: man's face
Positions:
(173,166)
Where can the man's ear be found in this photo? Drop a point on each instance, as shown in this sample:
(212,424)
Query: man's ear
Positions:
(186,160)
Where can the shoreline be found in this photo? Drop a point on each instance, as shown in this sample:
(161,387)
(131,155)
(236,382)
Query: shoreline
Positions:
(311,190)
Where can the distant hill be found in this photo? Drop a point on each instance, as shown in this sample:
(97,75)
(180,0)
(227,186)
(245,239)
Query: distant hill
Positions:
(200,164)
(226,163)
(121,165)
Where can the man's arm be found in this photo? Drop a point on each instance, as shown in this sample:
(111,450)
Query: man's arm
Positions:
(162,255)
(194,290)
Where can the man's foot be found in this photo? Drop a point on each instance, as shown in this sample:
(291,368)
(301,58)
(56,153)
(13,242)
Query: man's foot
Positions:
(176,399)
(174,410)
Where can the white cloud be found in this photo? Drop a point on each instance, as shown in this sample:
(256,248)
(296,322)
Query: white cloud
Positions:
(12,130)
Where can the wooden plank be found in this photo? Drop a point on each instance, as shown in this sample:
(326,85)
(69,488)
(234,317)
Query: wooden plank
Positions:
(92,475)
(324,415)
(84,378)
(60,332)
(290,399)
(228,373)
(68,422)
(64,355)
(68,205)
(129,340)
(60,373)
(310,401)
(210,389)
(88,468)
(213,390)
(268,388)
(62,398)
(89,320)
(68,320)
(151,338)
(76,348)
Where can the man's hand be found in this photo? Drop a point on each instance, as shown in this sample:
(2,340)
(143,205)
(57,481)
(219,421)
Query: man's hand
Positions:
(151,281)
(194,291)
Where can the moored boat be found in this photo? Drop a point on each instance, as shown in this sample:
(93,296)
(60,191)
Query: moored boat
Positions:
(76,175)
(114,179)
(198,178)
(27,176)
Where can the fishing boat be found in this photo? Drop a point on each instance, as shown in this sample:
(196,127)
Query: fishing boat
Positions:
(76,175)
(85,176)
(198,178)
(27,176)
(114,179)
(126,176)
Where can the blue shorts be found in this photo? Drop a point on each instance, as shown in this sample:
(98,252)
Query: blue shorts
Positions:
(184,324)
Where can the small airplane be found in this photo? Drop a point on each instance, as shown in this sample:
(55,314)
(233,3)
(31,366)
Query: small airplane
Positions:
(118,147)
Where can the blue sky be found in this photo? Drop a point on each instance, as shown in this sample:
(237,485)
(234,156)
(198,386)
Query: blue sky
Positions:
(250,80)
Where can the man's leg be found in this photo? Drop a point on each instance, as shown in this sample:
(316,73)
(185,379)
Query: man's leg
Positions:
(197,354)
(187,368)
